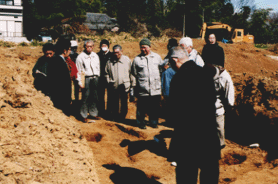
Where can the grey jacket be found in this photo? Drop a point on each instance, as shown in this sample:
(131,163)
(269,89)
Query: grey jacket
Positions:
(146,70)
(119,72)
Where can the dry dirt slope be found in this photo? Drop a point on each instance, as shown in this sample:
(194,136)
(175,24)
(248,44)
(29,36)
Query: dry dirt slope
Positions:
(40,144)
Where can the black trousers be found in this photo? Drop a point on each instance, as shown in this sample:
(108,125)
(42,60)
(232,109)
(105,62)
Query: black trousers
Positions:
(187,171)
(117,100)
(102,85)
(148,105)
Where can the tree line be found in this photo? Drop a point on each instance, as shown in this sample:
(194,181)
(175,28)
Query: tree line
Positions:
(155,16)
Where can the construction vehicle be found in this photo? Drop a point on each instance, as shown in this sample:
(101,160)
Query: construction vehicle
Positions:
(224,31)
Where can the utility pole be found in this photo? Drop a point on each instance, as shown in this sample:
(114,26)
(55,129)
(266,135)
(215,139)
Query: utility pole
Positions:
(203,16)
(183,31)
(183,25)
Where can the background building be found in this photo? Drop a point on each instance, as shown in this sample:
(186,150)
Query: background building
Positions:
(11,21)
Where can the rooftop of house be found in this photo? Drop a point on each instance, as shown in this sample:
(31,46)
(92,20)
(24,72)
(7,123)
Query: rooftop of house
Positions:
(98,18)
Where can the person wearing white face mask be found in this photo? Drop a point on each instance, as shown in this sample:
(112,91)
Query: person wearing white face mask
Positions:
(104,55)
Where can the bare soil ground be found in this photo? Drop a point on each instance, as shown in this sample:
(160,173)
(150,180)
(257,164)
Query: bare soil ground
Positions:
(39,144)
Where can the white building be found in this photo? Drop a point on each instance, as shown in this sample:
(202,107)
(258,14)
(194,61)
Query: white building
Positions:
(11,20)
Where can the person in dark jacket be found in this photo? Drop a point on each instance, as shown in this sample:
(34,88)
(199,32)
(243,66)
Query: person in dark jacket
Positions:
(212,53)
(195,144)
(59,77)
(104,55)
(40,72)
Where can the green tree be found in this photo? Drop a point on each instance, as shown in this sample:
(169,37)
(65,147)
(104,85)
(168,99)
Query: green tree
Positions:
(95,6)
(259,26)
(240,19)
(30,19)
(273,27)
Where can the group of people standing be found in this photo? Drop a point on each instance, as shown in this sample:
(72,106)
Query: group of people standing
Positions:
(197,90)
(52,76)
(200,92)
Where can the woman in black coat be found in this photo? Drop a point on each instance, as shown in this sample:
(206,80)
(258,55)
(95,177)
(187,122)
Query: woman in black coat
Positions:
(212,53)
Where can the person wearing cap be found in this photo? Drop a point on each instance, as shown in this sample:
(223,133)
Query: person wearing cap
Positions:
(213,53)
(88,63)
(120,81)
(73,55)
(195,144)
(187,44)
(104,55)
(40,70)
(146,70)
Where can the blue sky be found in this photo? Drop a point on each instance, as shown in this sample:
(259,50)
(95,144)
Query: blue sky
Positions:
(267,4)
(260,4)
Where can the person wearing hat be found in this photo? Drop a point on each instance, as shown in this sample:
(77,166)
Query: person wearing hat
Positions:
(146,70)
(192,107)
(104,55)
(73,55)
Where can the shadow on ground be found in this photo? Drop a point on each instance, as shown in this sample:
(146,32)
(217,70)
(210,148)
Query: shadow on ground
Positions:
(159,148)
(129,175)
(245,127)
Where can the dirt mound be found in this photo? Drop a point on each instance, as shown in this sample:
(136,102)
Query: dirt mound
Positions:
(38,142)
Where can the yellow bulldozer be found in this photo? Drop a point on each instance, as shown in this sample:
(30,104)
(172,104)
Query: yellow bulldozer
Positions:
(224,31)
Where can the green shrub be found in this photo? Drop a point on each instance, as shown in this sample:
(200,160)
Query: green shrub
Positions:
(7,44)
(36,43)
(23,44)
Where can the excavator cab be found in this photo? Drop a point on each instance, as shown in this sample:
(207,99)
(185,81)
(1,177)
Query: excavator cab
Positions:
(238,36)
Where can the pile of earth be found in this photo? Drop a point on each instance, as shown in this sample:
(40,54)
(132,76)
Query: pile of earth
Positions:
(39,144)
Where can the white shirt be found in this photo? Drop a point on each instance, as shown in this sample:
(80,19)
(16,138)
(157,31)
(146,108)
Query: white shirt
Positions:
(225,91)
(196,58)
(88,64)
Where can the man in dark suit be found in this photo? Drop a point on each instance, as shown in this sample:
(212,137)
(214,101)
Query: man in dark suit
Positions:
(195,144)
(59,77)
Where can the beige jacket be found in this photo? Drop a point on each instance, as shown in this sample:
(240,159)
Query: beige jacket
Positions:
(119,72)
